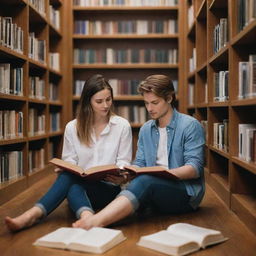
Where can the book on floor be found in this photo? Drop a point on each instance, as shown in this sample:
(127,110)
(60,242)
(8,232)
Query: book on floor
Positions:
(95,240)
(181,239)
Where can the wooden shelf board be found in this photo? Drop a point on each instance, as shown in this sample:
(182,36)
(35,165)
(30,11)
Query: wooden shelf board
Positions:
(127,36)
(244,102)
(219,151)
(37,64)
(217,104)
(217,4)
(192,30)
(136,125)
(55,102)
(220,57)
(246,36)
(244,206)
(126,66)
(11,54)
(4,142)
(250,166)
(11,188)
(54,134)
(219,184)
(7,97)
(201,13)
(37,137)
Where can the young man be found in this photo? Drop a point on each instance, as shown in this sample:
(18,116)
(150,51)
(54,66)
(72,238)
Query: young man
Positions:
(170,139)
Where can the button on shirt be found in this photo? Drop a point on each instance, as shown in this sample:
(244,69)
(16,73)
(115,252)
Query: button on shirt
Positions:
(113,146)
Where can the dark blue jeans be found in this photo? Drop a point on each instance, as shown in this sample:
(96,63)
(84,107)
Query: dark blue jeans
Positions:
(163,195)
(80,194)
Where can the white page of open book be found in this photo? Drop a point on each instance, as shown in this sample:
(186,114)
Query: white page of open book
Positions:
(97,237)
(193,232)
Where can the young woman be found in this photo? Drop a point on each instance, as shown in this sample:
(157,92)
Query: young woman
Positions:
(170,139)
(96,137)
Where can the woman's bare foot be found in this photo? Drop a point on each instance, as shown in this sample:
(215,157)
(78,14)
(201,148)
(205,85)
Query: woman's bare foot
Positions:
(85,220)
(24,220)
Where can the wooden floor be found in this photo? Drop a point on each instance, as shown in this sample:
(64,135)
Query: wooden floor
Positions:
(212,214)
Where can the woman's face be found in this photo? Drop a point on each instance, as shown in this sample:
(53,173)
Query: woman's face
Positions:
(101,103)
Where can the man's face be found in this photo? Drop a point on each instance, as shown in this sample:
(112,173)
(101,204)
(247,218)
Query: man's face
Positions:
(156,106)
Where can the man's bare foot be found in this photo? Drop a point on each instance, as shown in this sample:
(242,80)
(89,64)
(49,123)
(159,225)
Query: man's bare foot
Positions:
(24,220)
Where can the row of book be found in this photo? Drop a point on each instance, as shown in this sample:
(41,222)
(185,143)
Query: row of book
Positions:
(220,81)
(36,122)
(11,79)
(37,48)
(112,56)
(11,35)
(246,13)
(220,135)
(220,35)
(11,124)
(55,121)
(140,27)
(54,17)
(39,5)
(36,87)
(120,87)
(247,142)
(136,114)
(36,159)
(125,2)
(53,92)
(54,60)
(247,78)
(192,61)
(191,16)
(11,165)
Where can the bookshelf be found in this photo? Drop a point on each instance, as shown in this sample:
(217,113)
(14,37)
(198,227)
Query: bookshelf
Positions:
(31,112)
(220,96)
(125,44)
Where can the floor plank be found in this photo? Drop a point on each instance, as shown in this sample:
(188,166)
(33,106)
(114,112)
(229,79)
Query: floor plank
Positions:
(212,214)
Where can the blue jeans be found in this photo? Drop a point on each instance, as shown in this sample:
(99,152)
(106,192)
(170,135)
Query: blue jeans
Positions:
(80,194)
(162,195)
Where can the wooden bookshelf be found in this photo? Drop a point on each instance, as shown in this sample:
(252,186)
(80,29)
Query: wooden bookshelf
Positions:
(229,175)
(125,70)
(44,134)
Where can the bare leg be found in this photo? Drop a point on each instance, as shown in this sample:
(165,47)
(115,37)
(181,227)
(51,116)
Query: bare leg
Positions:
(118,209)
(24,220)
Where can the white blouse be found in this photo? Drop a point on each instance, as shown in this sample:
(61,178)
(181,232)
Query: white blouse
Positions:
(113,146)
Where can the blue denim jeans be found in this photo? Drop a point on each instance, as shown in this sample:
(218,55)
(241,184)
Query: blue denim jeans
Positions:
(163,195)
(80,194)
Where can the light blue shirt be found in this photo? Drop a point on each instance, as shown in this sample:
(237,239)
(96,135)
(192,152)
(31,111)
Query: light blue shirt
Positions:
(185,146)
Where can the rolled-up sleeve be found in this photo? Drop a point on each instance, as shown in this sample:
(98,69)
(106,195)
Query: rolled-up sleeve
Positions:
(194,146)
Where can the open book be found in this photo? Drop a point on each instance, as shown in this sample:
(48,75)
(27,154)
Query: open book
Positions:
(93,173)
(181,239)
(101,171)
(160,171)
(95,240)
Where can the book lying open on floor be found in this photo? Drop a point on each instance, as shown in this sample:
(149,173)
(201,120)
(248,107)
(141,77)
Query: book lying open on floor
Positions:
(95,240)
(93,173)
(101,171)
(181,239)
(160,171)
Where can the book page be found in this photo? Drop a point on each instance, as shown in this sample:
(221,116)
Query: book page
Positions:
(97,240)
(171,244)
(66,165)
(60,238)
(202,236)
